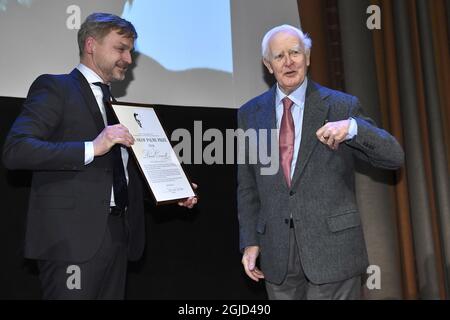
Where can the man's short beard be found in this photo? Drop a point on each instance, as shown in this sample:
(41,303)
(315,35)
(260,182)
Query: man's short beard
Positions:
(113,76)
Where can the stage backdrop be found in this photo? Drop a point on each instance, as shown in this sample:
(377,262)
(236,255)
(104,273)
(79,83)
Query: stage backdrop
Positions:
(190,254)
(189,52)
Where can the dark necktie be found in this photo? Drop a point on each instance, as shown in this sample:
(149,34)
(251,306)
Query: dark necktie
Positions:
(287,136)
(119,179)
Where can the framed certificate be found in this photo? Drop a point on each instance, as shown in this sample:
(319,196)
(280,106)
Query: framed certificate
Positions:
(154,153)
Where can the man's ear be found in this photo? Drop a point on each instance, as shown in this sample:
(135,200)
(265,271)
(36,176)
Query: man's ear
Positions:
(268,66)
(308,58)
(89,45)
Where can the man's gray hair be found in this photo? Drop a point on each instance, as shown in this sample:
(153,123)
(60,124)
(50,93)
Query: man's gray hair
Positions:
(304,39)
(98,25)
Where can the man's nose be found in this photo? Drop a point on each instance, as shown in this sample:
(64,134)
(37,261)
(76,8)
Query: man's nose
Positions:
(127,58)
(288,60)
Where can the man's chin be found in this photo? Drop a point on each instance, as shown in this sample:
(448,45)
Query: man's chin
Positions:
(119,76)
(289,87)
(293,84)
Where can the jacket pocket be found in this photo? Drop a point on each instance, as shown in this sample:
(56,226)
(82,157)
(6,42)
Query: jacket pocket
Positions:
(261,227)
(346,220)
(55,202)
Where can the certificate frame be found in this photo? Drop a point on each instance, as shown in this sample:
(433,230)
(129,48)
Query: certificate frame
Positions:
(126,112)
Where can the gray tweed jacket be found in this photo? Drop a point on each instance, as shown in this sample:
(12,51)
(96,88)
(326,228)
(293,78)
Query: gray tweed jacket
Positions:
(321,199)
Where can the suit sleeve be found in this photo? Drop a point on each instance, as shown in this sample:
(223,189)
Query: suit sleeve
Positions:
(372,144)
(30,143)
(247,197)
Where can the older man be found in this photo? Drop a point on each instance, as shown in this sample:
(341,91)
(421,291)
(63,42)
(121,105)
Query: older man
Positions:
(303,222)
(85,216)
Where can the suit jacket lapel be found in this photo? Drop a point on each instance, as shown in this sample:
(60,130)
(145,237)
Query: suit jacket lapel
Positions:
(314,116)
(266,117)
(89,98)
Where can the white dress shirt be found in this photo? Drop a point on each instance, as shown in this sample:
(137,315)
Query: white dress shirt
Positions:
(93,77)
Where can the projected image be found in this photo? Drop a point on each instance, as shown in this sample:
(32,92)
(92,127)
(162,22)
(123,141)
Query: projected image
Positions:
(4,3)
(183,53)
(183,35)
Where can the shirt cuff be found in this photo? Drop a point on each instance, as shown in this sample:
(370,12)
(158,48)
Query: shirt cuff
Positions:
(88,152)
(352,129)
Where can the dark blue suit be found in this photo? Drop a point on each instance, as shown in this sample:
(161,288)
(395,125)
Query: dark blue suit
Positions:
(69,201)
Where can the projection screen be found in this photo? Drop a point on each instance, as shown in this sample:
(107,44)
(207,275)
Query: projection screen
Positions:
(189,52)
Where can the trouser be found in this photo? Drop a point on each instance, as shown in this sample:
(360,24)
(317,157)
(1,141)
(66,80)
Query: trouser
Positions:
(297,287)
(102,277)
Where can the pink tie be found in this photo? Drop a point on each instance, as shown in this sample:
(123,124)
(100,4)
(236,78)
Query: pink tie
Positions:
(287,136)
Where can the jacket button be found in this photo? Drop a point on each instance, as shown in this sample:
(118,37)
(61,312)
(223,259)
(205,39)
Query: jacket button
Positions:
(291,193)
(286,221)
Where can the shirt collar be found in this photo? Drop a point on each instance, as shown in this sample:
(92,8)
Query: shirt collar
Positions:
(297,96)
(89,74)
